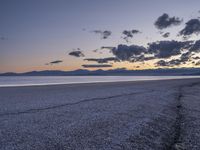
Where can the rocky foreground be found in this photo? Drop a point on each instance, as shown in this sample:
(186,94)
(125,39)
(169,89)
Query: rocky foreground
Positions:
(157,115)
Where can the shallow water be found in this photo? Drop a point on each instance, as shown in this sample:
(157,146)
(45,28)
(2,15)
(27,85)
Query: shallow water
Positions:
(52,80)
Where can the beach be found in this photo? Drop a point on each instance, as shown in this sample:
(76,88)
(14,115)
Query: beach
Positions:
(145,115)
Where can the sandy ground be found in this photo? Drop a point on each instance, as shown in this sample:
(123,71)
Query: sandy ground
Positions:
(128,115)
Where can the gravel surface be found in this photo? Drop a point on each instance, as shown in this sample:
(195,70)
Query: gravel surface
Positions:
(149,115)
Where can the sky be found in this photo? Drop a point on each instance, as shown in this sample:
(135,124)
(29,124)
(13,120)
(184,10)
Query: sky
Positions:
(98,34)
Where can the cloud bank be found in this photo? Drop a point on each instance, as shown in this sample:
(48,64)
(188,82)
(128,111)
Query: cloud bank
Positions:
(166,49)
(168,53)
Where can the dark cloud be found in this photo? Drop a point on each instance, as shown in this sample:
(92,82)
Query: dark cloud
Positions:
(195,47)
(54,62)
(135,31)
(164,21)
(108,48)
(191,27)
(197,63)
(96,66)
(175,62)
(185,57)
(102,60)
(77,53)
(127,53)
(166,35)
(161,63)
(127,34)
(171,63)
(190,48)
(130,33)
(104,34)
(155,50)
(141,58)
(196,58)
(166,49)
(137,67)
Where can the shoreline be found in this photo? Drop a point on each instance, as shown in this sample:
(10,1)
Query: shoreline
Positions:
(111,81)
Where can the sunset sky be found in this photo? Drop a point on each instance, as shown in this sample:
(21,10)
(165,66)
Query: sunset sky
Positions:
(71,34)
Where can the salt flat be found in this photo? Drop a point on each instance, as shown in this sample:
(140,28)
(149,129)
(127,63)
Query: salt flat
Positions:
(125,115)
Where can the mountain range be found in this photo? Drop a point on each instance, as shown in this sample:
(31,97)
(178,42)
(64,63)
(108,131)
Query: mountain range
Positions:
(113,72)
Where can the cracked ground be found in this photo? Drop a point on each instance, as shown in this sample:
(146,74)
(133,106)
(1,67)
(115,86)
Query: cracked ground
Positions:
(157,115)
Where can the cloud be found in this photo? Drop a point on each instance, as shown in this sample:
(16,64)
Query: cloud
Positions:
(107,47)
(197,63)
(126,53)
(156,50)
(129,34)
(142,58)
(54,62)
(196,58)
(166,49)
(185,57)
(175,62)
(185,51)
(195,47)
(77,53)
(102,60)
(166,35)
(191,27)
(96,66)
(137,67)
(171,63)
(104,34)
(161,63)
(164,21)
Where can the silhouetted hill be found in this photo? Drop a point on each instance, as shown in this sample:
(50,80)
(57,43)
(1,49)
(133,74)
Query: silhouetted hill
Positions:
(113,72)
